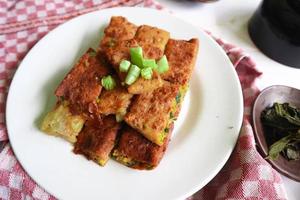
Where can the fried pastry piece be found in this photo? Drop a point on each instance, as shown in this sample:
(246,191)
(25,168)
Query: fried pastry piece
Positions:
(136,151)
(121,35)
(60,122)
(114,101)
(119,52)
(81,86)
(117,41)
(153,41)
(151,113)
(96,142)
(181,56)
(119,29)
(142,85)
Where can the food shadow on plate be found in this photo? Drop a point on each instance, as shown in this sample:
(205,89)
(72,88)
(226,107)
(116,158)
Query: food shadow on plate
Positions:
(190,114)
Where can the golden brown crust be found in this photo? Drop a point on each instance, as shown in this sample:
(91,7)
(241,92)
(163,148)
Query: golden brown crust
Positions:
(81,86)
(153,41)
(181,56)
(144,86)
(114,101)
(116,47)
(136,147)
(96,142)
(120,51)
(117,40)
(150,112)
(119,29)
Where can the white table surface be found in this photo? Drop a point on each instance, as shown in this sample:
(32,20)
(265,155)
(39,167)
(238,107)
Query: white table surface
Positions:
(228,19)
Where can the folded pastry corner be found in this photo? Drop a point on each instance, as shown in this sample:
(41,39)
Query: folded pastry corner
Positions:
(61,122)
(96,142)
(136,151)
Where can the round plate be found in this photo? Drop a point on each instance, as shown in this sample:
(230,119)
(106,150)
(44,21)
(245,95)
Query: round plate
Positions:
(204,136)
(270,95)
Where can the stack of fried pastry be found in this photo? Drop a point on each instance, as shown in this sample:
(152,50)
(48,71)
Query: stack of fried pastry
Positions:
(88,115)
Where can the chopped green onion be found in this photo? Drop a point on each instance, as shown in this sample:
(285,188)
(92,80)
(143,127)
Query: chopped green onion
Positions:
(136,55)
(108,82)
(133,74)
(149,63)
(124,65)
(146,73)
(163,65)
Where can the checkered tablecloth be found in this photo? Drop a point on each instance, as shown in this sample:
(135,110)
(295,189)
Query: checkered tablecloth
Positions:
(246,175)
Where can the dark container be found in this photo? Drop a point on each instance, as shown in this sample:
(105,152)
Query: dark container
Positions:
(275,30)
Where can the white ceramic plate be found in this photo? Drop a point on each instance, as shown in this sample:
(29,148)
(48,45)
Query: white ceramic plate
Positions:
(204,136)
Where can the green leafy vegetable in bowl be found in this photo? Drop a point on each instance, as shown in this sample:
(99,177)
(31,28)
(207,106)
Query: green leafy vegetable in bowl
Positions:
(282,127)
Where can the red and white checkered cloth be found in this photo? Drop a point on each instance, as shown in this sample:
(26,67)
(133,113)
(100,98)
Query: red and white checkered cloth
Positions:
(246,175)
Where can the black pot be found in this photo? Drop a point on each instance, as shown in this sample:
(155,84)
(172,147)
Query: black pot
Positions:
(275,29)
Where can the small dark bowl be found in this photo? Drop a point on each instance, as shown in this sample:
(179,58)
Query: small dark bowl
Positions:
(266,98)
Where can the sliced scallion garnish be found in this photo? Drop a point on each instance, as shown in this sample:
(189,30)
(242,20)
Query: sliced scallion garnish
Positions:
(108,82)
(136,56)
(146,73)
(124,66)
(133,74)
(163,65)
(149,63)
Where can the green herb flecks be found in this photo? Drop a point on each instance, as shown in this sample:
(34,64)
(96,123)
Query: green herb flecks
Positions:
(178,98)
(172,117)
(124,66)
(112,43)
(93,53)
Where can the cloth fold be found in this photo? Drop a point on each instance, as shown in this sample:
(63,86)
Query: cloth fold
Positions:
(246,175)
